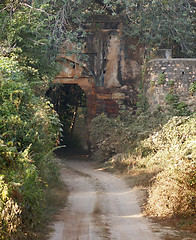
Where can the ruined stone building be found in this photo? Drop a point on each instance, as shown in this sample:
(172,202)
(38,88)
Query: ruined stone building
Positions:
(114,71)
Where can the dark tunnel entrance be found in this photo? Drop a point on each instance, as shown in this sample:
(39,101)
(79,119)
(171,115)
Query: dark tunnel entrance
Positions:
(70,102)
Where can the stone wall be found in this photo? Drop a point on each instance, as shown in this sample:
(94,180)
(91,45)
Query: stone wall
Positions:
(170,75)
(112,61)
(112,73)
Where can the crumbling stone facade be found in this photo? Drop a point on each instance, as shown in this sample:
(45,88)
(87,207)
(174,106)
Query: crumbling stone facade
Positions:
(113,70)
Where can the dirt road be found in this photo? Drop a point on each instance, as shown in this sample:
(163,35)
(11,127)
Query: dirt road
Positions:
(100,206)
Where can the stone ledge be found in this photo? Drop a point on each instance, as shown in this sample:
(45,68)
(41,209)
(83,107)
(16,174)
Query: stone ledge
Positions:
(172,59)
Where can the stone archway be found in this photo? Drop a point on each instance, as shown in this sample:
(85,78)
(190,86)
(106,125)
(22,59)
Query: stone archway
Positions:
(73,73)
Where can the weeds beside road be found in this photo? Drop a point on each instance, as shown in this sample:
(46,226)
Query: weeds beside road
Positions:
(155,146)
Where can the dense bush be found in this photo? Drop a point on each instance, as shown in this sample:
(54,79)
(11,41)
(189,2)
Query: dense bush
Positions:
(176,107)
(111,136)
(143,143)
(174,191)
(173,149)
(29,129)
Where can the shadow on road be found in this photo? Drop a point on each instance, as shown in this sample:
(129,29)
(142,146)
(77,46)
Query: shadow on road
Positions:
(72,153)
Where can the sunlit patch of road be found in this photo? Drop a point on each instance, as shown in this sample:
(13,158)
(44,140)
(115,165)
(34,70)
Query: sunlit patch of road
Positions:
(100,206)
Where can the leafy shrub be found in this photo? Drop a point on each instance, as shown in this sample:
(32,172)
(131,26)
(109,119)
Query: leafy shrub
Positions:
(105,137)
(110,136)
(174,151)
(174,191)
(22,194)
(192,88)
(141,143)
(171,143)
(25,118)
(9,212)
(170,98)
(29,129)
(177,108)
(142,103)
(161,79)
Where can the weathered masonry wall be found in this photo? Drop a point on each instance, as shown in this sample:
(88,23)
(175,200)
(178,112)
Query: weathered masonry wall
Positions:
(111,76)
(113,70)
(170,75)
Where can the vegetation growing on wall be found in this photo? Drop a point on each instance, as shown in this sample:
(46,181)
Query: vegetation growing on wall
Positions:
(192,88)
(161,79)
(177,107)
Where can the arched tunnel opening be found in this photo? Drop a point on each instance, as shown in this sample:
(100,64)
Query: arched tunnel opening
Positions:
(70,102)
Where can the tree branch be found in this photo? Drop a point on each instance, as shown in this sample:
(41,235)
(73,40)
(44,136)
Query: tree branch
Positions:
(38,9)
(100,2)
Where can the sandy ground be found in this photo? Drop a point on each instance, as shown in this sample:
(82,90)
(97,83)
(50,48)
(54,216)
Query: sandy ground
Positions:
(100,206)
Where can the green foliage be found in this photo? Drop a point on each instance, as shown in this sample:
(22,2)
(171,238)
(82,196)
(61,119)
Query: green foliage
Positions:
(24,36)
(177,108)
(171,83)
(159,108)
(163,24)
(31,34)
(173,138)
(152,83)
(111,136)
(36,30)
(103,131)
(25,118)
(171,98)
(67,99)
(10,211)
(161,79)
(29,129)
(142,103)
(192,88)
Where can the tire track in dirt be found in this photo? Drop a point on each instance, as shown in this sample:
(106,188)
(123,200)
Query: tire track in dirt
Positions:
(100,207)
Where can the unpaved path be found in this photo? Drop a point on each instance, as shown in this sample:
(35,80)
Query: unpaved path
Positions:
(100,206)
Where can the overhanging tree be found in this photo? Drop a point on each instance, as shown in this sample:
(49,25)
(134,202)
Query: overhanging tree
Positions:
(163,24)
(37,29)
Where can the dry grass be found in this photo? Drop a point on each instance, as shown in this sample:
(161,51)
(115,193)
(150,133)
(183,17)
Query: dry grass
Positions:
(163,161)
(170,196)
